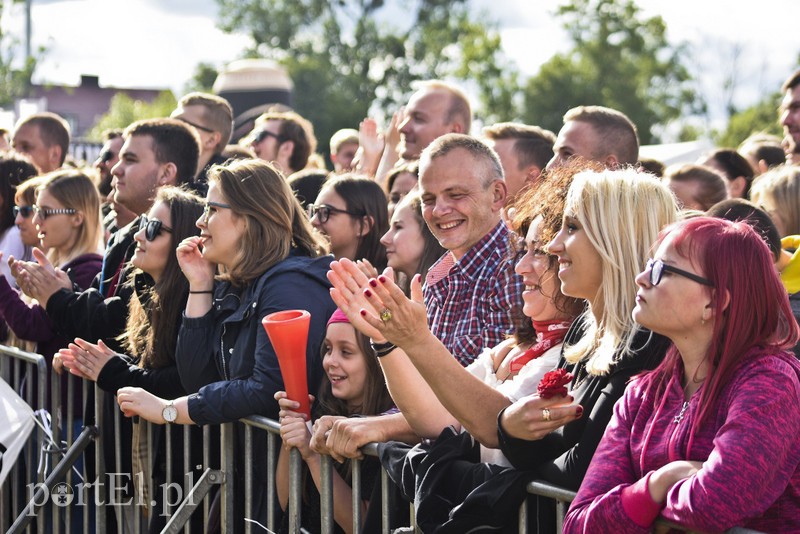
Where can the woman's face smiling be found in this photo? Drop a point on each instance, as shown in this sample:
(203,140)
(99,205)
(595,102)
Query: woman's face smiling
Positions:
(221,229)
(152,256)
(344,364)
(404,242)
(580,267)
(541,282)
(56,231)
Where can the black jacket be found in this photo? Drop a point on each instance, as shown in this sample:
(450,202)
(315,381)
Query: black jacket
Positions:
(227,358)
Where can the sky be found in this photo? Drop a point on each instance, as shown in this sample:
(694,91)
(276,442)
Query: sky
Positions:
(157,43)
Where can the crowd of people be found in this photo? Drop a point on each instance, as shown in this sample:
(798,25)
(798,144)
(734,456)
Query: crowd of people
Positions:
(450,276)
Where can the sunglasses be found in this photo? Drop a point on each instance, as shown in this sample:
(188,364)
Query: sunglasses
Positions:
(152,228)
(105,156)
(197,126)
(44,213)
(657,269)
(323,212)
(263,134)
(24,211)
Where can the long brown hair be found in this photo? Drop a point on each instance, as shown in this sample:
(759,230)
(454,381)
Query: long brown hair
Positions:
(274,220)
(154,315)
(376,398)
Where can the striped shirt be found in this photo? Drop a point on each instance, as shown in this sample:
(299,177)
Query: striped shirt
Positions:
(470,301)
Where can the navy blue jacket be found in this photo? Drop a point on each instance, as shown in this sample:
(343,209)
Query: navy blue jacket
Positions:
(226,356)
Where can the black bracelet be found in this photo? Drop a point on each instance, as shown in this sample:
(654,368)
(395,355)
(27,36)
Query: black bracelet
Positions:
(382,349)
(209,292)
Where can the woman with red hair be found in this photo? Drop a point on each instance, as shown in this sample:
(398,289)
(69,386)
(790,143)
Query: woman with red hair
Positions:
(707,440)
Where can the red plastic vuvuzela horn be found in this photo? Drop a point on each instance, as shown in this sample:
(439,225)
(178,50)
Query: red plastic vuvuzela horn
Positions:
(288,333)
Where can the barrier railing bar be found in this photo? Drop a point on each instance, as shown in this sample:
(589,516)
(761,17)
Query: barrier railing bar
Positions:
(326,494)
(248,476)
(196,495)
(72,454)
(226,509)
(272,456)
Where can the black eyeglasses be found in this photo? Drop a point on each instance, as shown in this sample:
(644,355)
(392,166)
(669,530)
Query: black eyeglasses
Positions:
(44,213)
(657,269)
(190,123)
(213,205)
(152,228)
(323,212)
(24,211)
(263,134)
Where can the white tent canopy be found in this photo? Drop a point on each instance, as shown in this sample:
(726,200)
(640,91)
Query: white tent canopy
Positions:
(671,153)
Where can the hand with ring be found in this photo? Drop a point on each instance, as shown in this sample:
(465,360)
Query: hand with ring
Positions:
(386,309)
(533,417)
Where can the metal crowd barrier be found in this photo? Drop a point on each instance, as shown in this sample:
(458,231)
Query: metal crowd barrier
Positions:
(27,496)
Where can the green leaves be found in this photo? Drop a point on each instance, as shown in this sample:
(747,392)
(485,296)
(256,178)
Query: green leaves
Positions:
(345,55)
(621,60)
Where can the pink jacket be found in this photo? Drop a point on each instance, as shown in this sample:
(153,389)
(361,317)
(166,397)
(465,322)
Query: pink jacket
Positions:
(749,448)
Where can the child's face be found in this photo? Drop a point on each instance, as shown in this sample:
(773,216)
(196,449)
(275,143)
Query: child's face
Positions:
(344,364)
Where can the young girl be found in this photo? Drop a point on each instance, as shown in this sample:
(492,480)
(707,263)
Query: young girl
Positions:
(353,385)
(352,213)
(14,170)
(411,248)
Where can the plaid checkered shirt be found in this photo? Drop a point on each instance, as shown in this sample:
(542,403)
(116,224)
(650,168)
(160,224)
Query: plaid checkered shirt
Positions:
(470,301)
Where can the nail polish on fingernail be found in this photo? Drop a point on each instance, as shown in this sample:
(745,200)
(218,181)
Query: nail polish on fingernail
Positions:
(373,283)
(363,313)
(579,411)
(382,279)
(367,292)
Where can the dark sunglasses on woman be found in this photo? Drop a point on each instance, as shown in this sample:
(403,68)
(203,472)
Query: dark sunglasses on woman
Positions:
(152,228)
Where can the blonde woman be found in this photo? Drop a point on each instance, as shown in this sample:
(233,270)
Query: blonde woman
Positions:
(611,218)
(67,216)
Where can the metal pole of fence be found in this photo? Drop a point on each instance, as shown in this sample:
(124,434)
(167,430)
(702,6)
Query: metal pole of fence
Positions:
(248,476)
(99,462)
(188,469)
(227,490)
(523,517)
(295,490)
(24,518)
(326,494)
(356,494)
(272,448)
(206,464)
(386,512)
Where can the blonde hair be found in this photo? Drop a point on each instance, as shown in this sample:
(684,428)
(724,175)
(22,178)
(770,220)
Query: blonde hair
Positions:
(274,220)
(781,187)
(77,191)
(621,212)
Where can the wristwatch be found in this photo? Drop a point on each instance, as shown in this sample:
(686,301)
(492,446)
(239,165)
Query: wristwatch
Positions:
(169,413)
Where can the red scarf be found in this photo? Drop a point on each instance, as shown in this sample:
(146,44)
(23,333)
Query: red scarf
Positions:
(548,334)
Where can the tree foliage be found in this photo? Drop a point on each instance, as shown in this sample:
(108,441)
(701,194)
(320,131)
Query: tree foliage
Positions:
(619,59)
(15,74)
(345,55)
(124,110)
(762,117)
(203,78)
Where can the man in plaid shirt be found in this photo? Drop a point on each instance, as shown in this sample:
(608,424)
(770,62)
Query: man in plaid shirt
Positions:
(471,291)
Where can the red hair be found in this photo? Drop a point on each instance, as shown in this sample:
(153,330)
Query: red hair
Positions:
(756,319)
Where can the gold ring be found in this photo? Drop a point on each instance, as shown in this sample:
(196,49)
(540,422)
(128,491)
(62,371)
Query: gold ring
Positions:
(386,315)
(545,414)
